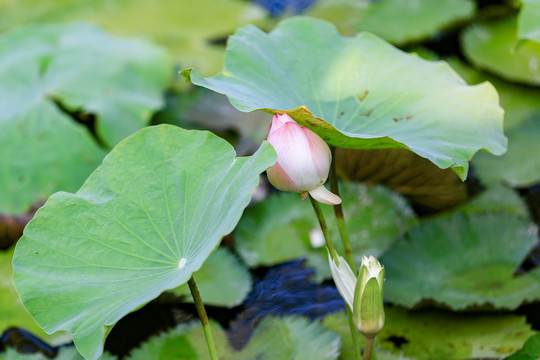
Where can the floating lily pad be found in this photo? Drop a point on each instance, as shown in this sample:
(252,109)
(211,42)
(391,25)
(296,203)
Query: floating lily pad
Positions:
(494,47)
(222,280)
(529,20)
(520,166)
(463,261)
(435,334)
(497,198)
(397,21)
(359,92)
(273,339)
(284,228)
(42,68)
(191,30)
(123,78)
(143,222)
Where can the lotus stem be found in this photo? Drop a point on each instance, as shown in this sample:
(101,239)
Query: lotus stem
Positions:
(204,318)
(369,347)
(338,210)
(324,227)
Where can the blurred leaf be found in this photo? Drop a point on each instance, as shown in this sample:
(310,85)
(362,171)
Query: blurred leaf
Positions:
(142,223)
(222,280)
(529,20)
(191,30)
(186,341)
(520,166)
(432,334)
(497,198)
(123,78)
(282,227)
(359,92)
(529,351)
(519,102)
(397,21)
(494,47)
(64,353)
(200,108)
(463,261)
(274,339)
(414,177)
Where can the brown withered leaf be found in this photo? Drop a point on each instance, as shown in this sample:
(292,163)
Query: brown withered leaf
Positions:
(428,187)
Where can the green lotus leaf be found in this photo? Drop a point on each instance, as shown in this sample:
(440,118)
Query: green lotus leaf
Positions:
(273,339)
(283,228)
(142,223)
(123,78)
(12,311)
(463,262)
(191,30)
(222,280)
(520,166)
(529,20)
(359,92)
(494,46)
(397,21)
(529,351)
(433,334)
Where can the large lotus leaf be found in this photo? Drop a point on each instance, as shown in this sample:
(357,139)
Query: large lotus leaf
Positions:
(191,30)
(494,47)
(432,334)
(283,227)
(463,261)
(529,351)
(397,21)
(273,339)
(520,166)
(12,311)
(142,223)
(222,280)
(529,20)
(359,92)
(519,102)
(120,81)
(419,180)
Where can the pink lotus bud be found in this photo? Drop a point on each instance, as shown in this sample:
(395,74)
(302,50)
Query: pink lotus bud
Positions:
(303,160)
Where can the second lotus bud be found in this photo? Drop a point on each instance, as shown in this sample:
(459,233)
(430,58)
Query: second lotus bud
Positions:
(363,294)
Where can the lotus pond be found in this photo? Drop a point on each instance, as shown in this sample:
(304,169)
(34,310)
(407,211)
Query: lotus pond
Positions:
(270,179)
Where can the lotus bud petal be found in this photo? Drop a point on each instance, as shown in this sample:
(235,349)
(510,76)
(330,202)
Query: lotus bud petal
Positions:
(303,159)
(344,279)
(368,311)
